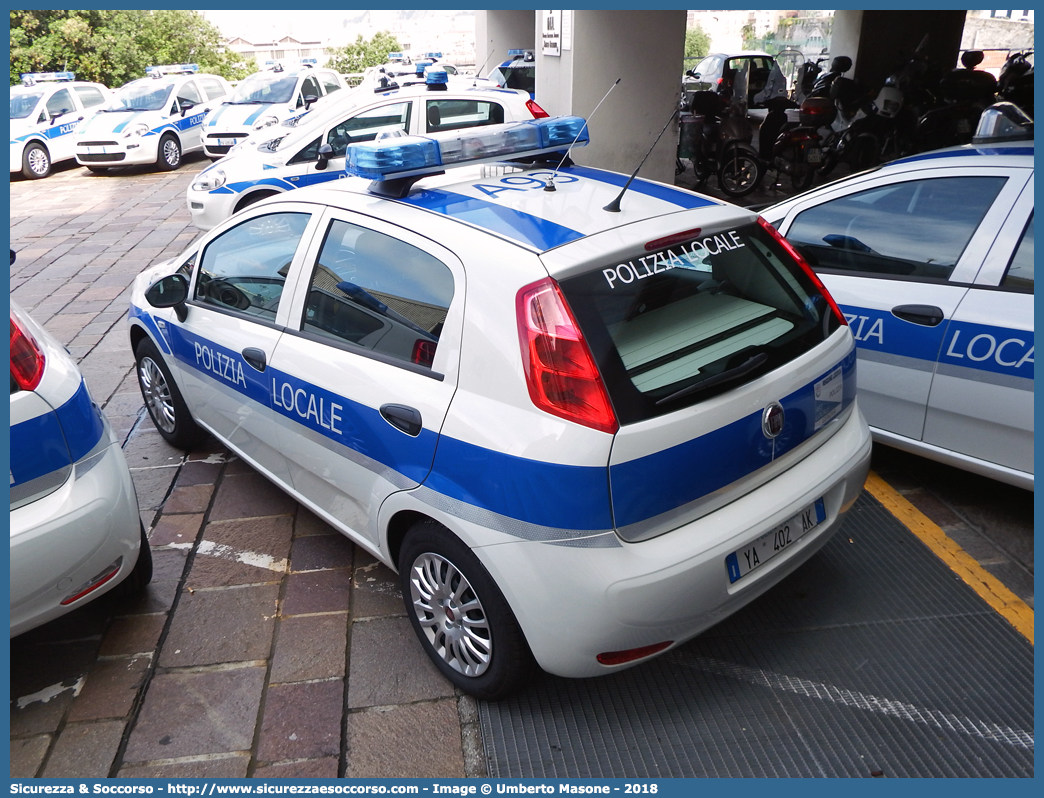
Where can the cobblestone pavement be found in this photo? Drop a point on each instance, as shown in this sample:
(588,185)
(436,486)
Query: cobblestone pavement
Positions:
(267,644)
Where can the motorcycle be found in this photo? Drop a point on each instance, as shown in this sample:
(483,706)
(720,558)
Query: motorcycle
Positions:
(1015,84)
(963,95)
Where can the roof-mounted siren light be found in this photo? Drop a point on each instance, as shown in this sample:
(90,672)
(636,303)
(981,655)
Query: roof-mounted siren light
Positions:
(171,69)
(308,62)
(525,55)
(436,78)
(432,56)
(420,66)
(32,78)
(396,164)
(1003,121)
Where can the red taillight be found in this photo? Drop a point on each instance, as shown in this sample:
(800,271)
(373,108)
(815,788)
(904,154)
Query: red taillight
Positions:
(560,372)
(536,110)
(27,359)
(631,654)
(424,352)
(772,231)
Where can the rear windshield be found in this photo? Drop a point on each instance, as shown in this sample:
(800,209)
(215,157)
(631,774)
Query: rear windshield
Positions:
(677,324)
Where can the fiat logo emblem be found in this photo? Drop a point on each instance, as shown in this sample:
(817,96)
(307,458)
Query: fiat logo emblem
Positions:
(772,420)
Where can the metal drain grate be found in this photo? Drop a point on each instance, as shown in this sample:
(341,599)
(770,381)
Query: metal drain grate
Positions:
(873,658)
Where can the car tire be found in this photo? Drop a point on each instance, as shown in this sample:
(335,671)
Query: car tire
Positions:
(168,158)
(141,574)
(477,644)
(36,161)
(163,400)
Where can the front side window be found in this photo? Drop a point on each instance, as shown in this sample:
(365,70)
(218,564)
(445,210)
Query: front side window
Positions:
(366,126)
(189,95)
(244,269)
(458,114)
(1019,276)
(308,88)
(61,102)
(916,229)
(330,82)
(672,326)
(375,292)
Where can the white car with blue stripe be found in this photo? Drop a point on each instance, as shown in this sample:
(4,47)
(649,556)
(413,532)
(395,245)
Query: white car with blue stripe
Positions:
(931,259)
(313,151)
(270,97)
(75,531)
(45,111)
(154,120)
(584,418)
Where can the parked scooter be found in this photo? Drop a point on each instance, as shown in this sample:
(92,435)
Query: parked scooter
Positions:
(963,94)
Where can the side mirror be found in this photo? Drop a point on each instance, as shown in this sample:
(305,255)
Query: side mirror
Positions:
(186,107)
(54,116)
(325,154)
(692,73)
(310,100)
(12,257)
(169,292)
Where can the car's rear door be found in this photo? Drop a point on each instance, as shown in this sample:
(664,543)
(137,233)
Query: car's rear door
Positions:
(363,376)
(981,401)
(898,253)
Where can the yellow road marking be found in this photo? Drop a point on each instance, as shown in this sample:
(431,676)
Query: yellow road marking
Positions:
(992,591)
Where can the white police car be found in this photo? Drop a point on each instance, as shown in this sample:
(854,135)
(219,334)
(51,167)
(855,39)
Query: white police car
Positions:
(45,110)
(75,531)
(314,151)
(154,120)
(581,435)
(518,72)
(931,260)
(266,98)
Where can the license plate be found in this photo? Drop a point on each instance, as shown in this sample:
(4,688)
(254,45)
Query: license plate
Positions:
(742,562)
(227,142)
(814,155)
(97,150)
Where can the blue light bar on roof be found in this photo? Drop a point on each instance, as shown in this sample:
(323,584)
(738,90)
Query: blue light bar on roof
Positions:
(432,55)
(420,66)
(394,56)
(171,69)
(416,155)
(516,53)
(29,78)
(434,75)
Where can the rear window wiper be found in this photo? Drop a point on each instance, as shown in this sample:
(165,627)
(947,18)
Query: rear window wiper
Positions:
(728,375)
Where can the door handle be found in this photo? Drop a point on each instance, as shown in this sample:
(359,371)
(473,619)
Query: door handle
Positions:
(925,315)
(403,418)
(255,357)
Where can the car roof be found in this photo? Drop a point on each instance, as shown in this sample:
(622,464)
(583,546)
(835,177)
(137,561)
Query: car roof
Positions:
(999,153)
(535,220)
(53,84)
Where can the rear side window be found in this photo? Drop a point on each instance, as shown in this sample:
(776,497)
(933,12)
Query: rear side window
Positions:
(89,96)
(677,324)
(916,229)
(378,293)
(458,114)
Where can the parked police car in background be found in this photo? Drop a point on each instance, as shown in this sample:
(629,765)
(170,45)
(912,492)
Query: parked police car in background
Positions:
(75,531)
(154,120)
(264,99)
(931,260)
(45,111)
(314,151)
(532,407)
(518,72)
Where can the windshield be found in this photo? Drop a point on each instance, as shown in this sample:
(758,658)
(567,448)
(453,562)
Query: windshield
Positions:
(146,95)
(23,104)
(265,87)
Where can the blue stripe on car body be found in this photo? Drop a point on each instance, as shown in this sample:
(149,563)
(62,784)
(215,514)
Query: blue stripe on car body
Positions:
(991,151)
(676,196)
(56,439)
(516,487)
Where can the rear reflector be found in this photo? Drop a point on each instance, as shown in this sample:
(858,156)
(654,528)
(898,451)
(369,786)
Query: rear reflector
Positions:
(631,654)
(27,359)
(93,584)
(772,231)
(560,372)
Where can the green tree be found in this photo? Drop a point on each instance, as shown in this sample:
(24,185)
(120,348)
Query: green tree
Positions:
(697,43)
(113,47)
(357,56)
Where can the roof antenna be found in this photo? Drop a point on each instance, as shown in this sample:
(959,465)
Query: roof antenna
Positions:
(614,206)
(480,67)
(550,184)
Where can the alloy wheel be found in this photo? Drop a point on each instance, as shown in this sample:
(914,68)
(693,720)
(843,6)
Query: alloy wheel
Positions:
(157,394)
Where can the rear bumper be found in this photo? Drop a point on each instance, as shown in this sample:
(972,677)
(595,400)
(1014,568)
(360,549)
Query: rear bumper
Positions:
(65,539)
(575,603)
